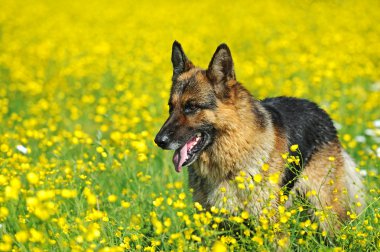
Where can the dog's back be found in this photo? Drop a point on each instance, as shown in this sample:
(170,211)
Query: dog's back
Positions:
(303,123)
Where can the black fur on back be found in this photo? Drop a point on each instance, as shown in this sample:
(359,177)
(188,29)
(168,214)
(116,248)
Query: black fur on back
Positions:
(305,124)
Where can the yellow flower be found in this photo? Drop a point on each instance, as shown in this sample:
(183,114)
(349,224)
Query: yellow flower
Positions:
(347,137)
(4,147)
(198,206)
(167,222)
(196,238)
(311,193)
(4,212)
(68,193)
(258,240)
(218,247)
(36,236)
(331,158)
(178,184)
(93,232)
(112,198)
(245,215)
(274,178)
(338,249)
(11,192)
(239,179)
(294,147)
(265,167)
(283,242)
(141,157)
(182,196)
(314,226)
(257,178)
(99,149)
(45,194)
(241,186)
(237,219)
(116,136)
(281,209)
(101,110)
(158,227)
(3,180)
(214,210)
(125,204)
(158,201)
(22,236)
(32,178)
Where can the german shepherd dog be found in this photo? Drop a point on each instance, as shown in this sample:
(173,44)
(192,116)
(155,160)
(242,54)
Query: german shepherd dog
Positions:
(220,131)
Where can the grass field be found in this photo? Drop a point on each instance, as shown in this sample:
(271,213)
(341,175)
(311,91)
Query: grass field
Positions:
(84,88)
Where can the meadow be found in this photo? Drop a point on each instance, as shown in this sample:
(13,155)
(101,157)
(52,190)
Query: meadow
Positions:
(84,89)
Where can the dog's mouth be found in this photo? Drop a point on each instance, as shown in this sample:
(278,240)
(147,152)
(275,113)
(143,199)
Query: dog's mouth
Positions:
(189,152)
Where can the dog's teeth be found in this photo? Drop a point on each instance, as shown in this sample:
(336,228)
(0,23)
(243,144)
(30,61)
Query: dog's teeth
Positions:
(198,135)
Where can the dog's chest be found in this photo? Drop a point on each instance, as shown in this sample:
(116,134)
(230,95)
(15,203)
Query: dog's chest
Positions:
(240,192)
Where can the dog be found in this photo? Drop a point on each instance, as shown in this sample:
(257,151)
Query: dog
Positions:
(221,132)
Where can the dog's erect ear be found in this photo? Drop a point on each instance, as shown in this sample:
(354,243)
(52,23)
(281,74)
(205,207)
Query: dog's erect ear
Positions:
(180,62)
(221,67)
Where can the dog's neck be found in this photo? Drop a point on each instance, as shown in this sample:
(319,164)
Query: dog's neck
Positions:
(243,141)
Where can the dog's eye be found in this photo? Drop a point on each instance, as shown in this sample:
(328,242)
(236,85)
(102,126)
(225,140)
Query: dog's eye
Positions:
(190,108)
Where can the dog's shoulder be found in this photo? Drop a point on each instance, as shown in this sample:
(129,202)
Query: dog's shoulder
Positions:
(302,122)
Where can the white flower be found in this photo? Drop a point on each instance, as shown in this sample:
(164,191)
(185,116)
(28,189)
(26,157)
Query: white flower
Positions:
(337,125)
(363,173)
(22,149)
(376,123)
(376,86)
(369,132)
(360,139)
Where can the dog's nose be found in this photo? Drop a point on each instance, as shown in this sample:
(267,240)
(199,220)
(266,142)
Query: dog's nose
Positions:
(162,140)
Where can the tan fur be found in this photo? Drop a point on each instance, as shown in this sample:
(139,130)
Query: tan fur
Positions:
(324,177)
(238,143)
(276,161)
(354,184)
(187,75)
(240,146)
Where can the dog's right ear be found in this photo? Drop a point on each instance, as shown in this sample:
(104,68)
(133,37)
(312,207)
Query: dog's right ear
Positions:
(221,70)
(180,62)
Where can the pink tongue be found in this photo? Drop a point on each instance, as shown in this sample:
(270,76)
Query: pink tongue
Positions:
(179,158)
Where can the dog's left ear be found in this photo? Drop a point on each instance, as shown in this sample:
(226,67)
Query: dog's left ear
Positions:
(180,62)
(221,67)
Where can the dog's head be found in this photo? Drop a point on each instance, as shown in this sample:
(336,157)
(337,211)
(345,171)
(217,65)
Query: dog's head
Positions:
(193,104)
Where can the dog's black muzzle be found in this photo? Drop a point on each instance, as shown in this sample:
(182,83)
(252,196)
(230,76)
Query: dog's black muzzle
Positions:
(165,138)
(162,139)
